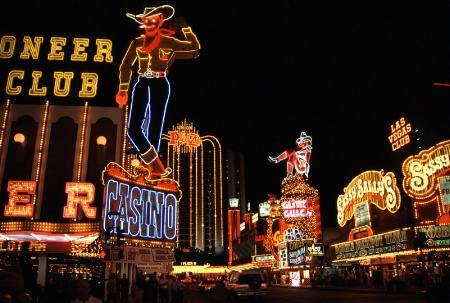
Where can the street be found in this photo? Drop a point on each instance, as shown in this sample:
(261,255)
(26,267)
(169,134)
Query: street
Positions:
(290,295)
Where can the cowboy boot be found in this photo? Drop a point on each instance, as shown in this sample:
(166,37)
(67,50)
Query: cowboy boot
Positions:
(159,170)
(149,156)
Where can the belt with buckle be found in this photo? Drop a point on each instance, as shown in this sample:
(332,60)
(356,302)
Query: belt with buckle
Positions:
(153,74)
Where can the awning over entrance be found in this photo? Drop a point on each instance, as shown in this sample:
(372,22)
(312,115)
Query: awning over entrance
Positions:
(46,237)
(147,255)
(200,269)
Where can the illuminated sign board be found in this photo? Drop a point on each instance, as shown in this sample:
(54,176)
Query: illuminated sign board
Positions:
(293,234)
(378,188)
(255,218)
(190,139)
(362,214)
(233,202)
(297,254)
(391,242)
(315,249)
(184,134)
(274,237)
(445,190)
(296,209)
(146,255)
(278,233)
(20,202)
(283,258)
(57,49)
(24,246)
(36,247)
(144,209)
(436,236)
(399,135)
(264,209)
(264,258)
(420,171)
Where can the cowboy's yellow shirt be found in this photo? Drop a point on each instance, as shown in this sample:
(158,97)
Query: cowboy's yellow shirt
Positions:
(160,59)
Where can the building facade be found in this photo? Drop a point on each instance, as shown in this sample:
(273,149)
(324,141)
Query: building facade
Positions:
(208,175)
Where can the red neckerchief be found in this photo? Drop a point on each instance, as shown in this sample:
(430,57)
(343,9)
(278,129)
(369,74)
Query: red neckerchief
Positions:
(156,40)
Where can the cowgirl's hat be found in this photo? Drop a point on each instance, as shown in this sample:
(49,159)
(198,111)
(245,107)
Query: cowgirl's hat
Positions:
(304,138)
(167,12)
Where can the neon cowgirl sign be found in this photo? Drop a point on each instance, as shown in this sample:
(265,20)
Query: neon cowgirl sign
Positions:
(142,208)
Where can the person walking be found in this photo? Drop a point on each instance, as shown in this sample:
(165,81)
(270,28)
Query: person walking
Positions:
(137,292)
(151,289)
(111,289)
(83,289)
(173,289)
(180,291)
(124,288)
(163,289)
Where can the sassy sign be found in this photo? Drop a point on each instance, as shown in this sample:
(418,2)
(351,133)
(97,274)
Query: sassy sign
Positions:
(378,188)
(421,171)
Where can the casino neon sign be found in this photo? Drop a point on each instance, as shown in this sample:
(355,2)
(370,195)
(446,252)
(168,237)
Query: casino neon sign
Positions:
(142,207)
(141,212)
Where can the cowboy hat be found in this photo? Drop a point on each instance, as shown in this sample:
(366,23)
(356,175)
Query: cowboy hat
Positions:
(166,10)
(303,137)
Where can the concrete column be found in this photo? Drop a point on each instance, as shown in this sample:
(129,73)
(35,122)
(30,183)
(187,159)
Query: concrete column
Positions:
(42,269)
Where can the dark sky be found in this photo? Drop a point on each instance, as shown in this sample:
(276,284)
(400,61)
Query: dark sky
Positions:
(342,71)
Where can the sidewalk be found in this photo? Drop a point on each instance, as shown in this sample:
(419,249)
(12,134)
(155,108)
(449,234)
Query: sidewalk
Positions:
(435,294)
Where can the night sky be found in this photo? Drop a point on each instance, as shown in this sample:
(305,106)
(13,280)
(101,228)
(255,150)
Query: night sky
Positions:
(341,71)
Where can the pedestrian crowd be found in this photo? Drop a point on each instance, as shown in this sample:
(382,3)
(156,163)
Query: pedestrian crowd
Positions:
(150,288)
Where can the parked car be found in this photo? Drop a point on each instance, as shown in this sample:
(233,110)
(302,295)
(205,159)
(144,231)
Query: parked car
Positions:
(209,285)
(246,284)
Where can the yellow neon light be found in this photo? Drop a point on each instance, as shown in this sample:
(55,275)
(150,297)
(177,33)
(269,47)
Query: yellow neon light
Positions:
(80,194)
(19,199)
(181,135)
(379,188)
(41,141)
(35,90)
(57,44)
(88,85)
(421,171)
(5,118)
(399,136)
(10,88)
(31,51)
(59,76)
